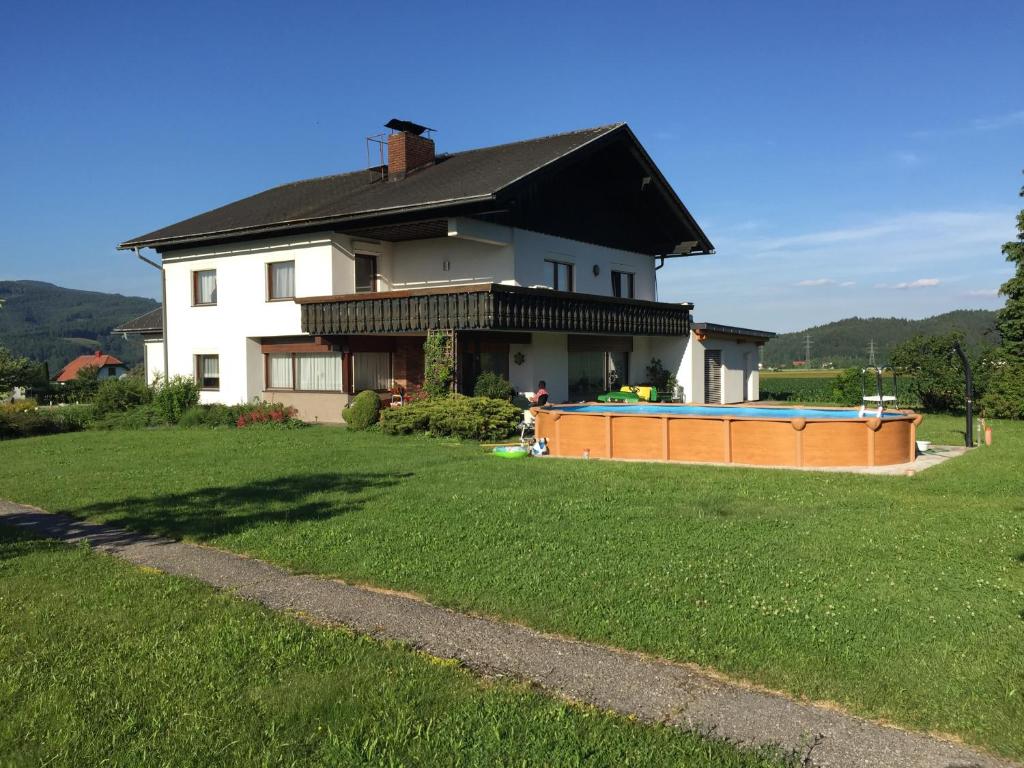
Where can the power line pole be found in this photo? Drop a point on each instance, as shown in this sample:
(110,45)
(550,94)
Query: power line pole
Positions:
(871,353)
(807,350)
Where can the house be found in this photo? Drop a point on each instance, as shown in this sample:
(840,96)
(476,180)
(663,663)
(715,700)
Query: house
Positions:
(150,327)
(538,259)
(108,367)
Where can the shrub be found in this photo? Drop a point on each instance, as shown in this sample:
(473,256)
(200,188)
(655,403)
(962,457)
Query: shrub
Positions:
(266,414)
(438,365)
(661,379)
(175,396)
(490,384)
(1004,393)
(140,417)
(938,380)
(44,421)
(17,406)
(115,395)
(470,418)
(364,410)
(847,387)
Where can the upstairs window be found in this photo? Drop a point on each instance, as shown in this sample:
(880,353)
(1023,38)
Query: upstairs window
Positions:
(280,280)
(208,371)
(204,287)
(622,285)
(559,275)
(366,273)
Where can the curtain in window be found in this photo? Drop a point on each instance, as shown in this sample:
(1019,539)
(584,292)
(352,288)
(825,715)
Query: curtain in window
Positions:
(371,370)
(319,371)
(282,280)
(279,371)
(206,287)
(210,366)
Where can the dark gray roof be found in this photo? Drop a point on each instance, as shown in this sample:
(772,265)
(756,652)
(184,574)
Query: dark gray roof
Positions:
(151,322)
(732,330)
(461,177)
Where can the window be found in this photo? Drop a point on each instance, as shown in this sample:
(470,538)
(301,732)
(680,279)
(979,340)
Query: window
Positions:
(559,275)
(318,371)
(371,370)
(280,371)
(204,287)
(366,273)
(304,371)
(280,280)
(208,371)
(622,285)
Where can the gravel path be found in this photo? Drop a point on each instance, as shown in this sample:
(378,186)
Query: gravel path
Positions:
(629,683)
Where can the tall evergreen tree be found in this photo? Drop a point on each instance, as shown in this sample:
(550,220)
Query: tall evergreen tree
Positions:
(1011,318)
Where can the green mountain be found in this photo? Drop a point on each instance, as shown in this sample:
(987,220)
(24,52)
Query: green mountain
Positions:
(48,323)
(845,343)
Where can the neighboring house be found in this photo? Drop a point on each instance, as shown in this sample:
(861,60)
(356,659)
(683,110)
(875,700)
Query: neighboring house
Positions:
(108,367)
(150,327)
(539,258)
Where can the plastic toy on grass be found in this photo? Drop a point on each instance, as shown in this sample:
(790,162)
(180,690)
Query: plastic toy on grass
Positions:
(511,451)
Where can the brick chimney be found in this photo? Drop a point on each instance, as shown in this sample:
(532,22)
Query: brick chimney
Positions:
(408,150)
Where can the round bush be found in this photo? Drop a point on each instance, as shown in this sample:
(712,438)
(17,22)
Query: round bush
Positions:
(364,410)
(494,385)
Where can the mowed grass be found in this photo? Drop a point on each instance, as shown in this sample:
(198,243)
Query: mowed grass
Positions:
(898,597)
(106,664)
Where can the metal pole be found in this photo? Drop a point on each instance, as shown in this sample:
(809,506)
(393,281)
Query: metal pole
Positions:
(969,387)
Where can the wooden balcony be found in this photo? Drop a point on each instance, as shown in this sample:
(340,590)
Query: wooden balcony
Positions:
(493,307)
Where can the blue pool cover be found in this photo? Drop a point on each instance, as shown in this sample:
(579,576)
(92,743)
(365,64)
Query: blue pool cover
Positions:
(721,411)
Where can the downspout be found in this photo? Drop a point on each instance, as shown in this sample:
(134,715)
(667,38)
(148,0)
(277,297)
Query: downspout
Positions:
(163,304)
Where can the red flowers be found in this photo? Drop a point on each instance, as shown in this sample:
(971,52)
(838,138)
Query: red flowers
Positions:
(266,413)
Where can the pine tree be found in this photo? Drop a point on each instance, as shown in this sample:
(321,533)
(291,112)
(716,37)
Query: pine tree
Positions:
(1011,318)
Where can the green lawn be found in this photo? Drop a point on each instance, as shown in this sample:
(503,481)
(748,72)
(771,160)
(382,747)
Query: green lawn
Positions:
(899,598)
(106,664)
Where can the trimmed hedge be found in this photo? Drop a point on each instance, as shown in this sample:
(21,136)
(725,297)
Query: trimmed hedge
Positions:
(470,418)
(116,395)
(363,411)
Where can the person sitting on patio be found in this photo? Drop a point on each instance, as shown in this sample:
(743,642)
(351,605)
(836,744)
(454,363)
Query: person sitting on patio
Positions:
(541,396)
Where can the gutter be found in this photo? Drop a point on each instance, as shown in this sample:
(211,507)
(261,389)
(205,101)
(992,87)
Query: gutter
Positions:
(163,305)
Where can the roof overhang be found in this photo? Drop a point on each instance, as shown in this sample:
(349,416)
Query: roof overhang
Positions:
(705,331)
(491,307)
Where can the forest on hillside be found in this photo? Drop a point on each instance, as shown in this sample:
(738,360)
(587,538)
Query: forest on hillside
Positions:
(54,325)
(846,343)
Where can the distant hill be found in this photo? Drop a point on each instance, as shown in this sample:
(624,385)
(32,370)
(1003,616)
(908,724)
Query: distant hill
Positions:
(845,342)
(48,323)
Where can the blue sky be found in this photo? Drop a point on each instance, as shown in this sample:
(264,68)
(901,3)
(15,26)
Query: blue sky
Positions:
(856,158)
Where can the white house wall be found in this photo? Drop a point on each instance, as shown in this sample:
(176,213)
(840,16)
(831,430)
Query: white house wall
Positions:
(446,261)
(547,358)
(242,313)
(153,355)
(532,249)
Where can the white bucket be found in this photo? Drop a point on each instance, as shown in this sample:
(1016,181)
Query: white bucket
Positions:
(923,445)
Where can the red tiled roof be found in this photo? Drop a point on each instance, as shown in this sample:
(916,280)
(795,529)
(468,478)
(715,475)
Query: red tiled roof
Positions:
(96,360)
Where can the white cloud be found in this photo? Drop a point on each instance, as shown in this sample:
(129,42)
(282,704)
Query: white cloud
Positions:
(906,158)
(988,293)
(1000,121)
(776,278)
(924,282)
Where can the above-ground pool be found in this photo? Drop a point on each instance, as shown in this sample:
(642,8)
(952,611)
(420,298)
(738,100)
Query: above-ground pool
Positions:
(765,435)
